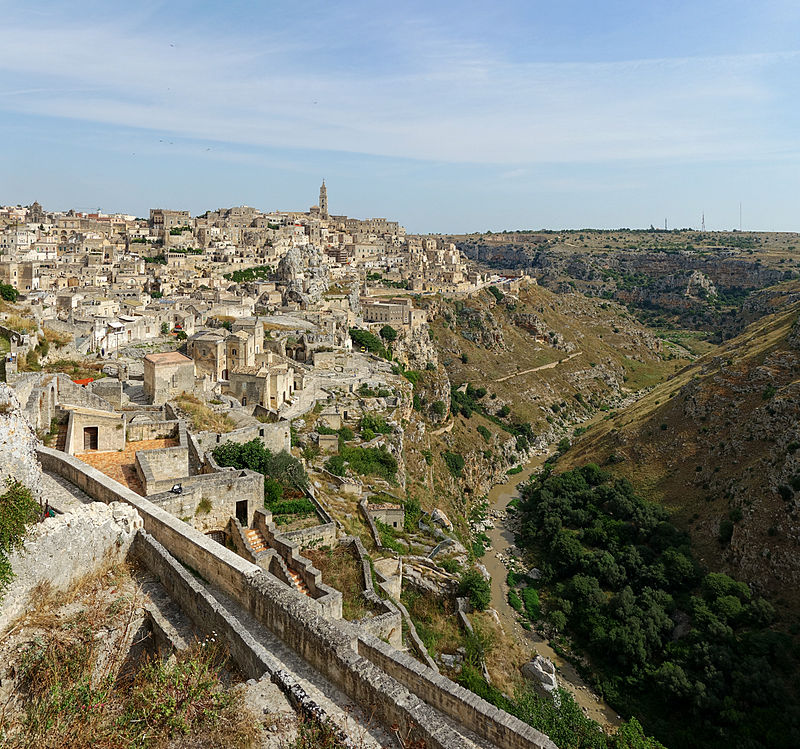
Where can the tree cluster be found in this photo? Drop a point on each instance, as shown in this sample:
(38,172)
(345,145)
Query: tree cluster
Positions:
(667,638)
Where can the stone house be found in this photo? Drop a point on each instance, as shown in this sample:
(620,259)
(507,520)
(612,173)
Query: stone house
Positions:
(388,513)
(166,376)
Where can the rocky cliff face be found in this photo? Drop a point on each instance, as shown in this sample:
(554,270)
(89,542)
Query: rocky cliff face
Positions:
(693,276)
(303,274)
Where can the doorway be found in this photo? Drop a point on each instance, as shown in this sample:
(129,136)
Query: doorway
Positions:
(241,512)
(90,438)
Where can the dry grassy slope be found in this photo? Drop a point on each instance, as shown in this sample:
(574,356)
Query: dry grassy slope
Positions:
(582,325)
(717,442)
(613,346)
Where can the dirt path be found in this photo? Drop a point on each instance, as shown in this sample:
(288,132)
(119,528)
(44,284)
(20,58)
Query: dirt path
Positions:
(502,538)
(551,365)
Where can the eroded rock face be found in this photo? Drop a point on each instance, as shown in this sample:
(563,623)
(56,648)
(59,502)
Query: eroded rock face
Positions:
(303,274)
(18,444)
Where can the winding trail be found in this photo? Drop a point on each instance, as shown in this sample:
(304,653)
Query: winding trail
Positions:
(551,365)
(502,542)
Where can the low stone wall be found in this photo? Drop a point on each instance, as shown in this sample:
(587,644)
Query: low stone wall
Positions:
(62,549)
(453,700)
(387,625)
(322,511)
(316,535)
(208,616)
(329,599)
(373,529)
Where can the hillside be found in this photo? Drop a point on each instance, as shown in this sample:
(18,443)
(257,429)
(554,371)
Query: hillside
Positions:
(717,445)
(521,369)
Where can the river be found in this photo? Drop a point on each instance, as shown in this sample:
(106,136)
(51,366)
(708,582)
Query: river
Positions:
(502,538)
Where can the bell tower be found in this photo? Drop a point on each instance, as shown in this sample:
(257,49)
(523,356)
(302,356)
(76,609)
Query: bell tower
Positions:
(323,200)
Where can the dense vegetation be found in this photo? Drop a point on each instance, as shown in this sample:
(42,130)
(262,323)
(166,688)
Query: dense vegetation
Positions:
(8,292)
(562,722)
(258,273)
(367,461)
(369,342)
(693,654)
(285,480)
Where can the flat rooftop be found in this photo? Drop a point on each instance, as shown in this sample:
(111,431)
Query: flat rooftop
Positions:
(170,357)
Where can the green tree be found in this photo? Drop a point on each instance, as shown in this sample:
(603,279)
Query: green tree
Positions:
(164,328)
(388,333)
(8,292)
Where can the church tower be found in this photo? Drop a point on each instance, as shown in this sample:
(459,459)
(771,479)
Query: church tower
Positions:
(323,200)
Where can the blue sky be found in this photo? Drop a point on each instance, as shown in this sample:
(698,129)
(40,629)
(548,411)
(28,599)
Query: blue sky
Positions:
(448,116)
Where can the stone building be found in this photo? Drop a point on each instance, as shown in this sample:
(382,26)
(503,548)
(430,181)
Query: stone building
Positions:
(388,513)
(167,376)
(207,349)
(270,384)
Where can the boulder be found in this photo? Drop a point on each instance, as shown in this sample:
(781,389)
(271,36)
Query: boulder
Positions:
(438,516)
(542,673)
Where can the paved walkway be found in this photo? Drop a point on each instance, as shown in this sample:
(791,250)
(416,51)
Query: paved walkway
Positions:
(61,494)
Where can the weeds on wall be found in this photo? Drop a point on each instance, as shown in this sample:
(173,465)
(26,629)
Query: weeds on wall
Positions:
(18,509)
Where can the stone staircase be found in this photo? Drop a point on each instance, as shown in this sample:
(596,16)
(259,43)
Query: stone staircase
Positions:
(258,544)
(256,539)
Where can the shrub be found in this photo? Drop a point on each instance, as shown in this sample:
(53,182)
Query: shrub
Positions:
(484,432)
(18,509)
(515,601)
(8,292)
(281,467)
(474,586)
(438,408)
(454,463)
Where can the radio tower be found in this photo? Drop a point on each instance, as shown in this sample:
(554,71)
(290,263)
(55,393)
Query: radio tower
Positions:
(703,222)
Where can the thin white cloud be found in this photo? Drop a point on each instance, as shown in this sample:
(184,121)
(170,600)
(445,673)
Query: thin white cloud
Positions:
(459,104)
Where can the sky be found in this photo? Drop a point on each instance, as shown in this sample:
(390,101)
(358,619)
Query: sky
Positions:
(446,116)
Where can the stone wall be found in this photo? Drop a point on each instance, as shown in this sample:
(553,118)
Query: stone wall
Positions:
(276,437)
(316,535)
(62,549)
(209,617)
(160,469)
(221,491)
(328,599)
(152,430)
(388,624)
(70,394)
(459,703)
